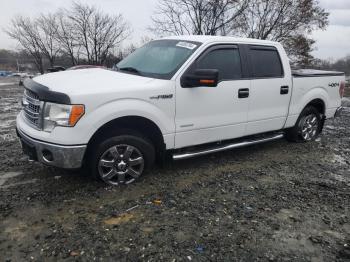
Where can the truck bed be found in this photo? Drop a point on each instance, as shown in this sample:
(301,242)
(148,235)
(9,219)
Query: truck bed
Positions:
(315,84)
(314,73)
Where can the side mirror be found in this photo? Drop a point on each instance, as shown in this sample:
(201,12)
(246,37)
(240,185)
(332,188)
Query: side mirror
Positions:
(201,77)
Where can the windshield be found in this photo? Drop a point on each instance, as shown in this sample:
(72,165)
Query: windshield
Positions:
(158,59)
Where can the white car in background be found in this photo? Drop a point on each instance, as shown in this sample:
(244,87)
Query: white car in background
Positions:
(22,76)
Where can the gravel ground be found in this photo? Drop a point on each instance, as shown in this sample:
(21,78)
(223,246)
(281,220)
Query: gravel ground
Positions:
(274,202)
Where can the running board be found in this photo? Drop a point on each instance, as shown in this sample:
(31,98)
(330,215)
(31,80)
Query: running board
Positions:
(187,155)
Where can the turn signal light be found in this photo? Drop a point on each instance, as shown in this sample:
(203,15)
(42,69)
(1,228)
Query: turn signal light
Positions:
(206,81)
(77,112)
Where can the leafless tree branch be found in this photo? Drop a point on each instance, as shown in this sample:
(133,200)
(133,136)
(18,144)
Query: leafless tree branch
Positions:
(26,32)
(81,31)
(200,17)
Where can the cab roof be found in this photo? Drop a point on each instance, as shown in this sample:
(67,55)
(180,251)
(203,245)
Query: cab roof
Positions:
(214,39)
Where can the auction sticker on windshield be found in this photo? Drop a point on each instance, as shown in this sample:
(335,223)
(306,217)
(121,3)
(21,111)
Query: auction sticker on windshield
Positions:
(186,45)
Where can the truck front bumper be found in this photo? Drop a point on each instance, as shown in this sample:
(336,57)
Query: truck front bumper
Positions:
(63,156)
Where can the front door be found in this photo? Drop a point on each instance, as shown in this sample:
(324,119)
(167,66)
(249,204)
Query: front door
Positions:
(208,114)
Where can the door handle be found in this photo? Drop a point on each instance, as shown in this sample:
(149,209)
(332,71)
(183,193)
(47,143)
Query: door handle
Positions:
(284,90)
(243,93)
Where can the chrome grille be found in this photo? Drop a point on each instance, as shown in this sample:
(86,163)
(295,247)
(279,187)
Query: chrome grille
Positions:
(31,94)
(31,108)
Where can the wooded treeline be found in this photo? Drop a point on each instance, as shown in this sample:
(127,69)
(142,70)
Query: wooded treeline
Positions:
(84,34)
(287,21)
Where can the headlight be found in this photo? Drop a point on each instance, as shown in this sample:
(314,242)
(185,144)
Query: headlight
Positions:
(61,115)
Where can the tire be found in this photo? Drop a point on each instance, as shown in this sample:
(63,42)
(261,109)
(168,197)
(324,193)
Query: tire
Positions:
(121,159)
(308,126)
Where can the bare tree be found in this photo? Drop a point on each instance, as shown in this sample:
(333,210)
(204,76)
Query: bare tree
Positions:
(201,17)
(48,28)
(279,19)
(299,50)
(96,32)
(67,38)
(286,21)
(79,18)
(26,32)
(81,32)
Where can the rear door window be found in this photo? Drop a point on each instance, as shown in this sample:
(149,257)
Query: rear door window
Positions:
(266,62)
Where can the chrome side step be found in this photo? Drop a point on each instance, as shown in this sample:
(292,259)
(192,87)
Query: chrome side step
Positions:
(187,155)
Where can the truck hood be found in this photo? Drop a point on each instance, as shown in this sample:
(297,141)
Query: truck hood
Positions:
(92,81)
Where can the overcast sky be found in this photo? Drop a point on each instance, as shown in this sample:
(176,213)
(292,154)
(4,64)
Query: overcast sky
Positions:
(332,43)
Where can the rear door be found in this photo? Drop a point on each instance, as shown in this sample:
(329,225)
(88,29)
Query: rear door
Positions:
(270,91)
(208,114)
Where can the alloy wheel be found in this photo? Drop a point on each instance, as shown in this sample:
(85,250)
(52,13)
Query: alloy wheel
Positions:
(121,164)
(309,127)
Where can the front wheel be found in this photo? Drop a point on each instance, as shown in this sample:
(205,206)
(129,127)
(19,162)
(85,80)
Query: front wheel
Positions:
(122,159)
(307,127)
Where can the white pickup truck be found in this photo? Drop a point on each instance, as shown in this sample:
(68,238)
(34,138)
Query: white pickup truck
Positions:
(185,96)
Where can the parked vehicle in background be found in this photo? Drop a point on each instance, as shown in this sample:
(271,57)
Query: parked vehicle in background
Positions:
(185,96)
(84,67)
(55,69)
(5,73)
(22,76)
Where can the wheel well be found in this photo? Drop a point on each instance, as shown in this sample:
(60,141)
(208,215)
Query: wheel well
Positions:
(319,105)
(140,125)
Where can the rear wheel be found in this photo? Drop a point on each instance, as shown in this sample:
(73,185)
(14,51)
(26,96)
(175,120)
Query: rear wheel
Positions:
(122,159)
(307,127)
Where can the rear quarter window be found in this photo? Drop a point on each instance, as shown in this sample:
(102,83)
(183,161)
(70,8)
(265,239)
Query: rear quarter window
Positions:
(266,62)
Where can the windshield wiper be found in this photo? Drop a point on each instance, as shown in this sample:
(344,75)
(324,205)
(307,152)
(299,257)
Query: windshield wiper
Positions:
(130,69)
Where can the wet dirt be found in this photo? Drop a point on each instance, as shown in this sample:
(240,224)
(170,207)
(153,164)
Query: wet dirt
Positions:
(278,201)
